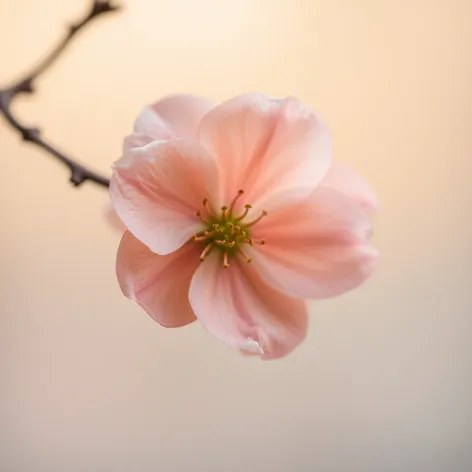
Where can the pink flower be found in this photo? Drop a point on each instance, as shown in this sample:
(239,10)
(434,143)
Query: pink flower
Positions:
(235,216)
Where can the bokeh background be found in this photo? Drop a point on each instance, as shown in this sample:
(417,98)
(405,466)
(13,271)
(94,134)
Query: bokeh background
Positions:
(383,382)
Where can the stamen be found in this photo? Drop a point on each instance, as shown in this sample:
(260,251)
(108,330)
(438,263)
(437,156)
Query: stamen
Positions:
(251,241)
(199,214)
(252,223)
(207,207)
(205,252)
(244,254)
(226,230)
(246,211)
(223,212)
(235,199)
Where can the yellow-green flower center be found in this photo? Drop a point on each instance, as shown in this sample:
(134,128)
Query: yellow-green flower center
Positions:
(227,232)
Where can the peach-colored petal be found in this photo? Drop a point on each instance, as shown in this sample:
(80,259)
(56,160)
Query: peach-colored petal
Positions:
(345,179)
(240,309)
(264,145)
(317,249)
(156,191)
(158,283)
(176,116)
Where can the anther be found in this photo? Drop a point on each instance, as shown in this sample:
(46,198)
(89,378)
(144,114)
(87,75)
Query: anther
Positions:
(231,244)
(225,260)
(199,238)
(216,226)
(252,223)
(235,199)
(220,242)
(205,252)
(206,206)
(249,241)
(246,211)
(244,254)
(223,212)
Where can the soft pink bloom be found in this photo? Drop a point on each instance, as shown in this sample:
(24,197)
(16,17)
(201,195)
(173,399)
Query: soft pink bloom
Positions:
(206,189)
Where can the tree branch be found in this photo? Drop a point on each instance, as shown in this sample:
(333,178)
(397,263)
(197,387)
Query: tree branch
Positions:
(79,172)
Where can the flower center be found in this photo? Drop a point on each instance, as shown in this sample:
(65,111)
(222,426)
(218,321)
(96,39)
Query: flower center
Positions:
(226,231)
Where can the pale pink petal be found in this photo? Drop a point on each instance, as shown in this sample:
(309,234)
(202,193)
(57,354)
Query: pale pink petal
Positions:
(136,140)
(151,126)
(176,116)
(345,179)
(157,190)
(263,145)
(316,249)
(158,283)
(240,309)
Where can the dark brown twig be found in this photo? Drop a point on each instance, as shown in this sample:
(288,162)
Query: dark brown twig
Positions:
(79,173)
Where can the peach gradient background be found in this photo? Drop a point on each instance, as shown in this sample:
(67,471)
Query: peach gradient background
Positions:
(383,382)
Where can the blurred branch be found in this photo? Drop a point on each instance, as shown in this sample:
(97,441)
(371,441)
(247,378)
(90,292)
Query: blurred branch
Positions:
(79,172)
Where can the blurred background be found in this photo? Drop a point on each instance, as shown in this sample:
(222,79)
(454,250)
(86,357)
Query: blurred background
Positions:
(383,382)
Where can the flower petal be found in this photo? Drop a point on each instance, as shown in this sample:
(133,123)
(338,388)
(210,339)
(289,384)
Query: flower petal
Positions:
(263,145)
(156,191)
(345,179)
(158,283)
(240,309)
(316,249)
(136,140)
(176,116)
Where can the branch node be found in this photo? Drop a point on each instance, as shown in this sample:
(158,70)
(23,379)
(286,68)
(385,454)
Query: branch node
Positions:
(103,6)
(72,29)
(26,86)
(77,177)
(30,134)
